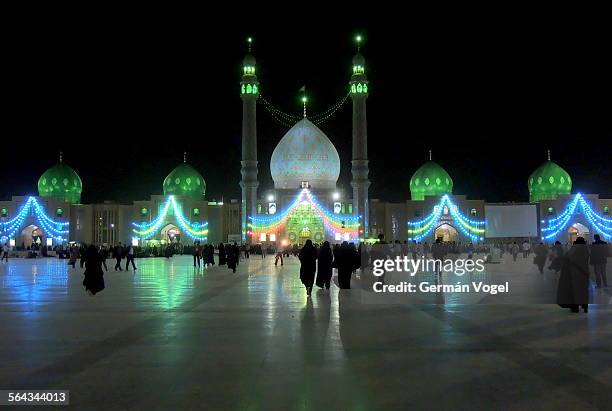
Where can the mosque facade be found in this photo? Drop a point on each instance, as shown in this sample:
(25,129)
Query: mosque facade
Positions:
(306,202)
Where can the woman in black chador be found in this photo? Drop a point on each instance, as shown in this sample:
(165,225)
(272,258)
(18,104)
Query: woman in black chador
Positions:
(308,260)
(324,270)
(232,256)
(573,290)
(94,276)
(346,261)
(222,260)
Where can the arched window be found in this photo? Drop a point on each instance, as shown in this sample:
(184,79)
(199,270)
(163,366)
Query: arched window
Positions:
(3,212)
(144,211)
(59,212)
(606,210)
(473,212)
(196,211)
(551,211)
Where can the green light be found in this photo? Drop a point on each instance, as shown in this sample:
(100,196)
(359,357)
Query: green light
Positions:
(250,39)
(358,38)
(304,99)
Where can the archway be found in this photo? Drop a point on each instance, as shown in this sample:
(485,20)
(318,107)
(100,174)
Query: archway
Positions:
(170,234)
(577,230)
(305,224)
(31,235)
(446,233)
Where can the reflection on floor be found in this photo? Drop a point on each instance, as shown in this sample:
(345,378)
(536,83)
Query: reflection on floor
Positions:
(169,337)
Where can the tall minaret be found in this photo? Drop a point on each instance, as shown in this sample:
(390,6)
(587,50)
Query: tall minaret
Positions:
(249,92)
(359,163)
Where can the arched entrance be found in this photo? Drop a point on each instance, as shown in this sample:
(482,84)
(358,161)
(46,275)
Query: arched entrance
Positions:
(170,234)
(446,233)
(577,230)
(31,235)
(304,224)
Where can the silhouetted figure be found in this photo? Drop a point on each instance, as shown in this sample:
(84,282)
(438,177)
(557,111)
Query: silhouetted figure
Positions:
(514,251)
(541,253)
(94,276)
(5,252)
(344,261)
(599,258)
(557,257)
(438,252)
(118,251)
(196,253)
(222,256)
(573,289)
(233,253)
(324,269)
(129,258)
(308,261)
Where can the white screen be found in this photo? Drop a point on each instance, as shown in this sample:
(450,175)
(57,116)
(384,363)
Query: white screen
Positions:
(511,220)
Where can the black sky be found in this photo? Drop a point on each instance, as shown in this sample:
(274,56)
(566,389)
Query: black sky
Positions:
(124,103)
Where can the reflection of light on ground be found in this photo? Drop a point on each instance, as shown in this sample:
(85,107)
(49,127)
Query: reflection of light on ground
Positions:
(163,283)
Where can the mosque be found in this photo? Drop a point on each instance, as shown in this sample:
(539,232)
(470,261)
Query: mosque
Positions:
(306,201)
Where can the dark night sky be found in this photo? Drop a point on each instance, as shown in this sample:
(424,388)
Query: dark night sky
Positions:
(123,105)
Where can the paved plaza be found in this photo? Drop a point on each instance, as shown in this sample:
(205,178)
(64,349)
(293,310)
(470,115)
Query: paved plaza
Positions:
(169,337)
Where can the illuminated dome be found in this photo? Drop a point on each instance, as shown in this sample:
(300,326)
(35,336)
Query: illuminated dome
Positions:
(61,183)
(305,154)
(430,180)
(185,181)
(548,182)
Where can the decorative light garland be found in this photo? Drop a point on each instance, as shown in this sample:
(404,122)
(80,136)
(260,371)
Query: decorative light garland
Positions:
(288,119)
(556,225)
(58,230)
(420,229)
(195,231)
(334,223)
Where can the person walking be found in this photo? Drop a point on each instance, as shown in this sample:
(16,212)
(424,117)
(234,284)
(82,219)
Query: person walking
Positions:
(118,251)
(573,288)
(196,253)
(344,261)
(222,256)
(557,257)
(233,253)
(5,252)
(324,269)
(103,256)
(599,258)
(94,276)
(541,253)
(129,258)
(438,252)
(308,265)
(279,255)
(514,251)
(526,249)
(74,255)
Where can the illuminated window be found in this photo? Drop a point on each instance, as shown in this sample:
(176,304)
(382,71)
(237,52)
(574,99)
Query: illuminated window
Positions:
(473,211)
(337,208)
(144,211)
(59,212)
(262,237)
(272,237)
(606,210)
(3,212)
(259,208)
(196,211)
(271,208)
(551,211)
(343,209)
(337,236)
(350,208)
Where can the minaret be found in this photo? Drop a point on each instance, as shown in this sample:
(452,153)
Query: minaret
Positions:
(249,92)
(359,163)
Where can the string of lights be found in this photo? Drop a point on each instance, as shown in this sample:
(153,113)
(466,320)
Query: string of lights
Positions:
(58,230)
(334,223)
(554,226)
(288,119)
(420,229)
(195,231)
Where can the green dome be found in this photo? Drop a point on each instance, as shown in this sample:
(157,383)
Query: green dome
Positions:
(430,180)
(185,181)
(62,183)
(548,182)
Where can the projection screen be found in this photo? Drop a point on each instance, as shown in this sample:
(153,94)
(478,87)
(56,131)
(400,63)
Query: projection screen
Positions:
(511,220)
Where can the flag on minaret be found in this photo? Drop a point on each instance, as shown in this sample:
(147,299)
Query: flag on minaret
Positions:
(303,89)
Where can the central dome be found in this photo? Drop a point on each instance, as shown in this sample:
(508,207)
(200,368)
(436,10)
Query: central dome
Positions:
(430,180)
(185,181)
(305,154)
(62,183)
